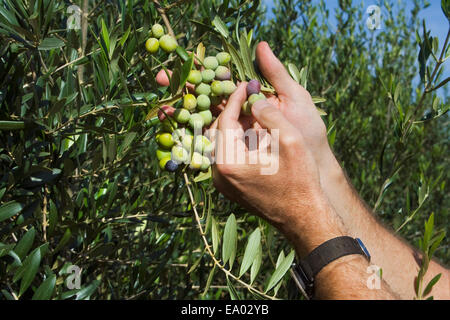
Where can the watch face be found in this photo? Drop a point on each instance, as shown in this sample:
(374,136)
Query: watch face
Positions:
(363,247)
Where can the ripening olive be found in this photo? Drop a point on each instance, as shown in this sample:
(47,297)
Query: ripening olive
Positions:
(152,45)
(207,117)
(223,58)
(203,88)
(165,111)
(253,87)
(196,121)
(203,102)
(181,115)
(222,73)
(168,43)
(194,77)
(208,75)
(187,142)
(166,141)
(161,153)
(179,154)
(163,162)
(217,88)
(157,30)
(228,87)
(189,101)
(255,97)
(210,63)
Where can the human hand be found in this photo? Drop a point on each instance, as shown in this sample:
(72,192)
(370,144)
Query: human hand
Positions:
(291,198)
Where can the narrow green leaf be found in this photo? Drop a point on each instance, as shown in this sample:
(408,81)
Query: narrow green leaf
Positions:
(229,241)
(10,209)
(208,282)
(105,35)
(251,251)
(31,266)
(247,58)
(280,259)
(295,73)
(256,264)
(25,244)
(45,290)
(281,270)
(233,293)
(221,27)
(215,235)
(430,284)
(185,69)
(51,43)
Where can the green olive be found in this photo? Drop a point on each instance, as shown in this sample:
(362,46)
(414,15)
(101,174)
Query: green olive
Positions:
(203,88)
(187,142)
(166,140)
(179,154)
(246,109)
(168,43)
(228,87)
(206,163)
(194,77)
(217,88)
(255,97)
(181,115)
(152,45)
(189,101)
(207,117)
(196,161)
(161,153)
(162,163)
(210,63)
(223,58)
(203,102)
(208,75)
(157,30)
(196,121)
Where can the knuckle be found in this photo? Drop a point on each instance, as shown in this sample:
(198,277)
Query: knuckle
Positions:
(290,141)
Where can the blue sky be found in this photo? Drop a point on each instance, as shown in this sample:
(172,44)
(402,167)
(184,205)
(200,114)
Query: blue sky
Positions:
(434,18)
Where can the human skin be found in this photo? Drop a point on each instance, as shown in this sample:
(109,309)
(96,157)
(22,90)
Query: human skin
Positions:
(399,261)
(297,206)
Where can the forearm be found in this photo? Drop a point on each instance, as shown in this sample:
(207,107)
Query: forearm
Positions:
(344,278)
(396,258)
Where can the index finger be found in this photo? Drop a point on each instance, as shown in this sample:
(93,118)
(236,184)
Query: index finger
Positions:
(229,117)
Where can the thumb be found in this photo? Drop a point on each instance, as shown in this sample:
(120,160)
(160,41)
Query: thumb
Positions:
(274,71)
(270,118)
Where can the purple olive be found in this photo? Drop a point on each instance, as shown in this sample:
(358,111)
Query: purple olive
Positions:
(171,166)
(253,87)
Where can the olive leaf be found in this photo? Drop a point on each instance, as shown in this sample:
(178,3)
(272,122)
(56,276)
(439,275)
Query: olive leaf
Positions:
(229,241)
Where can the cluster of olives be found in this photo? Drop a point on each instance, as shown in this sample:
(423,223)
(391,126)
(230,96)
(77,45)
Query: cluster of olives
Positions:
(210,82)
(180,139)
(160,39)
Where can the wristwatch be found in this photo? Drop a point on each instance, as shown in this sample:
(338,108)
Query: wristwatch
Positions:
(307,268)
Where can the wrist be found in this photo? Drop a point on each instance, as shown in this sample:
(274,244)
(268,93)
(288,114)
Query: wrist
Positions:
(307,229)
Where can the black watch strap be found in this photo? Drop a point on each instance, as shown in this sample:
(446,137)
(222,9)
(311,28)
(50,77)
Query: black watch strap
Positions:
(333,249)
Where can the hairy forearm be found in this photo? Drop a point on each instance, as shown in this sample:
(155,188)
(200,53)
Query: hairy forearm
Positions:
(346,279)
(396,258)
